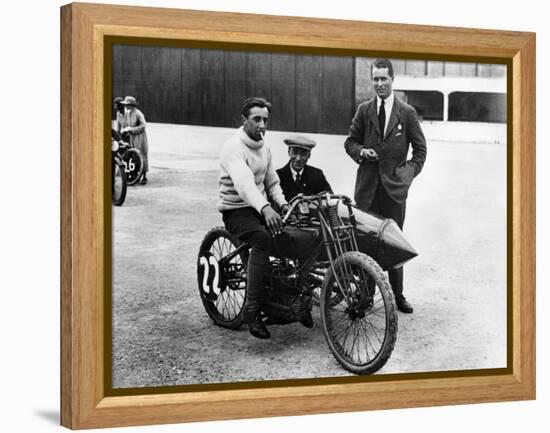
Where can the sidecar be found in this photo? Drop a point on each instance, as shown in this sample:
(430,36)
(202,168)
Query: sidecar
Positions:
(380,238)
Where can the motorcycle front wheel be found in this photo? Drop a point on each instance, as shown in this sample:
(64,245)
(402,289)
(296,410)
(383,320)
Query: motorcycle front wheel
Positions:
(361,329)
(222,283)
(120,185)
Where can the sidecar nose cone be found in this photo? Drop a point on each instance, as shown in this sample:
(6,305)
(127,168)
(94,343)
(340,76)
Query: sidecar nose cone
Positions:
(395,245)
(380,238)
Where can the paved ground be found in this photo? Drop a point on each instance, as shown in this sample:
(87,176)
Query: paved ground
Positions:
(455,219)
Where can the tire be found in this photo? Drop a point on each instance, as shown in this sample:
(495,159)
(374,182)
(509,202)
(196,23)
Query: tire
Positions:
(119,184)
(134,165)
(361,330)
(222,288)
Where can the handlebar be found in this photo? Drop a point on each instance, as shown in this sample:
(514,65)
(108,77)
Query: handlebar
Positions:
(314,199)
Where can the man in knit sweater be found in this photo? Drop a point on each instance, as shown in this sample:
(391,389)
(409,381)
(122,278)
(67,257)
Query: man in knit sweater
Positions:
(247,184)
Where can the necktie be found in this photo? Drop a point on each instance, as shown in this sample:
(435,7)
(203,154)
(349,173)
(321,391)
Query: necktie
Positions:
(299,181)
(382,118)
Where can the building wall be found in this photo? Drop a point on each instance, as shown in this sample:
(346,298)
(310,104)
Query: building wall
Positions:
(206,87)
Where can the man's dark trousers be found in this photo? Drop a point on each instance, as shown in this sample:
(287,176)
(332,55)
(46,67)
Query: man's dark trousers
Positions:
(384,205)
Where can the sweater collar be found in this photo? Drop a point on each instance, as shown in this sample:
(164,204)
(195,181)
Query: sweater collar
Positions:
(253,144)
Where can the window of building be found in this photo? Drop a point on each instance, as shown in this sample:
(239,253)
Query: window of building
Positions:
(428,103)
(477,107)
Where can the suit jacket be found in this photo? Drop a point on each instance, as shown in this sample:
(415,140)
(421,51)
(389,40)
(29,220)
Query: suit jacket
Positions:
(393,169)
(313,182)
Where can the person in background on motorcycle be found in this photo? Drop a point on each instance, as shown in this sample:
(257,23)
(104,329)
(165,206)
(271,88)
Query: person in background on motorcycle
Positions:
(119,113)
(247,184)
(298,177)
(133,123)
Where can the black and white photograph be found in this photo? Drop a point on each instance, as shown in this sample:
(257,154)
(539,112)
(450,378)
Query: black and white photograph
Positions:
(302,216)
(135,251)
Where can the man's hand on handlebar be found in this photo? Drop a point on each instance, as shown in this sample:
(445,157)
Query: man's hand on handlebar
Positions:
(273,221)
(284,210)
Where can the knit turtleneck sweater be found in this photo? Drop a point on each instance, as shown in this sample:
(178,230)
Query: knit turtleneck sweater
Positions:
(247,177)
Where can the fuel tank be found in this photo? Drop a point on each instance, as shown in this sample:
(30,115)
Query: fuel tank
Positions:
(380,238)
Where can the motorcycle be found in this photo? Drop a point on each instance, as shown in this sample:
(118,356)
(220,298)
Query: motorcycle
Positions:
(329,251)
(118,171)
(130,156)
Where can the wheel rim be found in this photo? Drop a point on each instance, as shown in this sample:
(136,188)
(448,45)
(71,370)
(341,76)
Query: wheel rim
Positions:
(118,183)
(227,298)
(357,325)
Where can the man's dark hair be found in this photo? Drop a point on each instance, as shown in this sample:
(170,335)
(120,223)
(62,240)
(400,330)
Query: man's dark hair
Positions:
(255,101)
(382,63)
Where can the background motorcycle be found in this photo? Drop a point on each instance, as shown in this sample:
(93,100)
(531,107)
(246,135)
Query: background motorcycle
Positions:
(130,156)
(119,181)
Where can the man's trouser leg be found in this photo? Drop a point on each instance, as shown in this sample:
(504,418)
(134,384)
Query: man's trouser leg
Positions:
(247,225)
(385,206)
(258,268)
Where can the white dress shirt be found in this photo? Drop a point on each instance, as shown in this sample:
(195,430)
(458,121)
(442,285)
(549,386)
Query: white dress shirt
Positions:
(295,173)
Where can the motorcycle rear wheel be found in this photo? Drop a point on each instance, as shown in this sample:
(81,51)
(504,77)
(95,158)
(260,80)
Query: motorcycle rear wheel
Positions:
(134,165)
(222,288)
(120,184)
(360,330)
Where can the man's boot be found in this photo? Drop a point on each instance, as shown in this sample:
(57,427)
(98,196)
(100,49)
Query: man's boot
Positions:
(307,319)
(258,266)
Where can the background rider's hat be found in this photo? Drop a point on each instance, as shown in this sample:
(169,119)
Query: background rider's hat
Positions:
(300,142)
(129,100)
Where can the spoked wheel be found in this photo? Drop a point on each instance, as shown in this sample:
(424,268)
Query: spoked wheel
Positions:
(361,329)
(134,165)
(222,278)
(316,278)
(119,184)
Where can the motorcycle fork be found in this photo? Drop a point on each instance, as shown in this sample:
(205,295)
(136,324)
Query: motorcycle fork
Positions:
(334,248)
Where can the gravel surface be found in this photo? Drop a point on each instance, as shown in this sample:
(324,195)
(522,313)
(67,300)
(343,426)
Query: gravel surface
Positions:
(456,220)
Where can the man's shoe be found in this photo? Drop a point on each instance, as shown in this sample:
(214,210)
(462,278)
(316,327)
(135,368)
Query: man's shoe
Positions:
(143,180)
(258,329)
(403,305)
(307,320)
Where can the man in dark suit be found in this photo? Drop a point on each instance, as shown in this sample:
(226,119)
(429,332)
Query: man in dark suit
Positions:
(298,177)
(381,132)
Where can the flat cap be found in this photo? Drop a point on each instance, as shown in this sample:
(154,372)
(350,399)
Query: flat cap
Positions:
(299,141)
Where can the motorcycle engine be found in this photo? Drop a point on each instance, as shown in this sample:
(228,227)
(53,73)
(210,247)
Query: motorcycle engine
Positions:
(286,303)
(284,279)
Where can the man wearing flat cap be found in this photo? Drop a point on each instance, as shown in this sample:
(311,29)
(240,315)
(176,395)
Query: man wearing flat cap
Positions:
(298,177)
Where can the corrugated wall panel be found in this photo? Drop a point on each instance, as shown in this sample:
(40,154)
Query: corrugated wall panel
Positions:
(338,89)
(309,93)
(131,73)
(235,86)
(258,74)
(162,90)
(190,86)
(283,92)
(212,85)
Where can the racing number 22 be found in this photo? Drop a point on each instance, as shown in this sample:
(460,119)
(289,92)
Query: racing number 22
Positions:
(206,262)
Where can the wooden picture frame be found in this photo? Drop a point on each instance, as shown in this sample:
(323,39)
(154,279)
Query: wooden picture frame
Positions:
(85,226)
